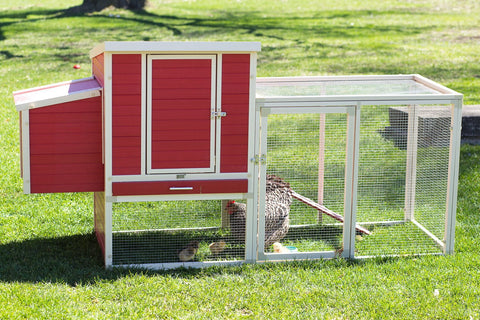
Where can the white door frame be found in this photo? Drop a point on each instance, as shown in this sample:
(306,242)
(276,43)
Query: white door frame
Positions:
(211,167)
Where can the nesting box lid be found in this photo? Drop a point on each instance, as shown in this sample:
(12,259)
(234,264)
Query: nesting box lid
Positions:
(56,93)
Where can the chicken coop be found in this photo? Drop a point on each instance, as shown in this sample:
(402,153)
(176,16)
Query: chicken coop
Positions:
(370,163)
(193,161)
(161,135)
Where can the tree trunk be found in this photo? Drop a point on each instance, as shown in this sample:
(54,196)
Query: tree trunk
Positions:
(98,5)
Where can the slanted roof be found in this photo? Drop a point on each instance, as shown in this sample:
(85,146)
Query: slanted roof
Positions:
(56,93)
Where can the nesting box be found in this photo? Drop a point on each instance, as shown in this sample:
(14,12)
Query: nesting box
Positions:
(372,162)
(61,137)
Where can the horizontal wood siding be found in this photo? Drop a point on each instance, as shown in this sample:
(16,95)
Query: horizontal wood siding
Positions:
(181,102)
(66,147)
(98,68)
(126,113)
(235,102)
(164,187)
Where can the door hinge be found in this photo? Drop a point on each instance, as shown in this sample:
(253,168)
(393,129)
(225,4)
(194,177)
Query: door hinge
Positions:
(218,114)
(259,158)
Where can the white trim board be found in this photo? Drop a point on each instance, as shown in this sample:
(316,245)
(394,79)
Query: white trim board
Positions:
(174,47)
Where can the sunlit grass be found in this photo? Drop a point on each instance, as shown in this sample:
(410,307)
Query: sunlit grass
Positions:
(50,264)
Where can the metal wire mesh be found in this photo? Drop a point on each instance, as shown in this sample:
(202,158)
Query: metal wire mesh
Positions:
(402,180)
(174,231)
(308,152)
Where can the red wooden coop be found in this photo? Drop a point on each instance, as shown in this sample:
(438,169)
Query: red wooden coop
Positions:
(193,161)
(156,121)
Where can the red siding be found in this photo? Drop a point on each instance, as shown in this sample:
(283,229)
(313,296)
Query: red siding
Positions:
(235,102)
(66,147)
(21,143)
(126,113)
(181,104)
(98,68)
(163,187)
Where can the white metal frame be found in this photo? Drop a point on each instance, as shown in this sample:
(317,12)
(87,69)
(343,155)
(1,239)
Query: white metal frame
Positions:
(150,59)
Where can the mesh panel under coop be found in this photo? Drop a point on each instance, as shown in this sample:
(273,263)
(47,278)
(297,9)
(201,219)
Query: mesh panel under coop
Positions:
(175,231)
(307,153)
(402,179)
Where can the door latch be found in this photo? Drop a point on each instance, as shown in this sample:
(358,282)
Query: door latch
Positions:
(259,159)
(218,114)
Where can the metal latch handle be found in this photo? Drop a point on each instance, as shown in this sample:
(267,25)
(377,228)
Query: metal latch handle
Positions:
(218,114)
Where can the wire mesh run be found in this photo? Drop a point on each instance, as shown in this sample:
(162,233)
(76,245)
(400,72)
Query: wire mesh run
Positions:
(402,184)
(402,179)
(307,153)
(175,231)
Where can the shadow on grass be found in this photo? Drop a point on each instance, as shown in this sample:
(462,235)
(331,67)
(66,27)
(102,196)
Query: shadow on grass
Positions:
(71,259)
(224,22)
(77,260)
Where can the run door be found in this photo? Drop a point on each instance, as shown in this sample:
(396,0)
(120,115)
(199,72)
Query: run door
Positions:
(180,113)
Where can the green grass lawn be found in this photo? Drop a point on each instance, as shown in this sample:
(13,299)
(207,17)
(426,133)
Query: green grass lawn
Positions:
(50,264)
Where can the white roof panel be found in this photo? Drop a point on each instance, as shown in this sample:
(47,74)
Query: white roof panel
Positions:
(56,93)
(175,46)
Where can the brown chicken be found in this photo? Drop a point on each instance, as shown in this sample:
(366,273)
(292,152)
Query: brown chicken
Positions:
(189,252)
(217,247)
(278,198)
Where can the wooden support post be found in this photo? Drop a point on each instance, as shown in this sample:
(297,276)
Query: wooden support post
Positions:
(411,169)
(99,218)
(453,168)
(321,163)
(108,252)
(225,215)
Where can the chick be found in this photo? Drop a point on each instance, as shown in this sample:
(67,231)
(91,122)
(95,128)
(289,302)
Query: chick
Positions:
(188,253)
(217,247)
(279,248)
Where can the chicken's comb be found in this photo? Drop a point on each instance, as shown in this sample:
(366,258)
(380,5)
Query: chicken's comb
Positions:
(231,202)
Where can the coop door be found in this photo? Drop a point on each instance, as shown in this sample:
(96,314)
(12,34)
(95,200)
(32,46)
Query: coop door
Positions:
(180,103)
(312,153)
